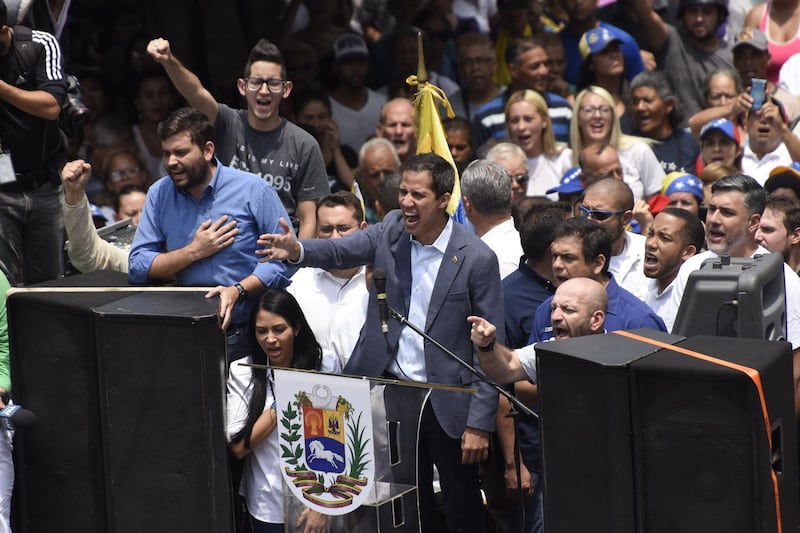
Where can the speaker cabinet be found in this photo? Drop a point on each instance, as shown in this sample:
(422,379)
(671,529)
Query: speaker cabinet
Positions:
(639,438)
(128,389)
(704,457)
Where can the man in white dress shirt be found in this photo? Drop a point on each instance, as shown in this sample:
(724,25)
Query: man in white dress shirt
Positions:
(334,301)
(734,212)
(609,202)
(486,190)
(675,235)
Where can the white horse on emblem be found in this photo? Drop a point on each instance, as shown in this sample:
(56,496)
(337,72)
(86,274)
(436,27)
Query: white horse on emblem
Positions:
(318,451)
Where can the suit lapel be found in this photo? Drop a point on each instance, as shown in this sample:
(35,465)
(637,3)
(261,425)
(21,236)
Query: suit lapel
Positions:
(448,270)
(402,253)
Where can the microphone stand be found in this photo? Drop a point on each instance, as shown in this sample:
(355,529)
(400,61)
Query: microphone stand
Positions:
(516,408)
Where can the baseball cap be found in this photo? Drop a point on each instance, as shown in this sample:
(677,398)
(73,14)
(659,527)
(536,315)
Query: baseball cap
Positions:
(596,40)
(751,37)
(722,124)
(350,46)
(784,177)
(570,183)
(683,182)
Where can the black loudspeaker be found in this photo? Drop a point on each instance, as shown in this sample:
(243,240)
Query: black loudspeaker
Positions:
(704,457)
(59,468)
(640,438)
(129,396)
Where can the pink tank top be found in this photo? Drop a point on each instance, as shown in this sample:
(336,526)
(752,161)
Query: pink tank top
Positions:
(780,52)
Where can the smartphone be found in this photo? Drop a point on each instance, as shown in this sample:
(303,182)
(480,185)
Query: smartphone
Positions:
(758,90)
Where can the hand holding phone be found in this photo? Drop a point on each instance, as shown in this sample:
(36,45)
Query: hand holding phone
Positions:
(758,91)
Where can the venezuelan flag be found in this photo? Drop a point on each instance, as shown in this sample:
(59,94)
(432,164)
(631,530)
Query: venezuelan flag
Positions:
(430,133)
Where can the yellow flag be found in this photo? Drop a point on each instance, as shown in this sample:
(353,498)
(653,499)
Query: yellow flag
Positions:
(430,133)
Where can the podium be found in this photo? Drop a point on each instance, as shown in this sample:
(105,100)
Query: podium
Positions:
(391,505)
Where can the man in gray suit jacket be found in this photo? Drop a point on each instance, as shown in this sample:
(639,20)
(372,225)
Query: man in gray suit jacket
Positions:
(437,274)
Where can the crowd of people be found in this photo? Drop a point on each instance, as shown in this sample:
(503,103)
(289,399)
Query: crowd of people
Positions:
(603,153)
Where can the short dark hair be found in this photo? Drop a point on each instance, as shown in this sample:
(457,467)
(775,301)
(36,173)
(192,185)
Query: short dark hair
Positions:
(458,123)
(539,226)
(755,197)
(443,175)
(595,239)
(130,189)
(519,46)
(692,231)
(312,94)
(343,199)
(264,51)
(789,208)
(187,120)
(3,14)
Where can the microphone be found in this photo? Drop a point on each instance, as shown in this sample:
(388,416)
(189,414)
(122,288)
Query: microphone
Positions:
(379,278)
(14,416)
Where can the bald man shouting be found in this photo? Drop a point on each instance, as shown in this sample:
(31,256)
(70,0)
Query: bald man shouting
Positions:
(578,308)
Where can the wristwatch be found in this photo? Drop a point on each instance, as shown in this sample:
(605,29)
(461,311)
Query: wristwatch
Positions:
(488,348)
(242,293)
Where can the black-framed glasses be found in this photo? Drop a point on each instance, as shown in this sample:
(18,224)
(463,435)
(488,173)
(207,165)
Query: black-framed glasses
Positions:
(598,215)
(328,230)
(273,84)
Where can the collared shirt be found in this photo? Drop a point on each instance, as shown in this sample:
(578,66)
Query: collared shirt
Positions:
(171,217)
(503,239)
(628,267)
(625,311)
(425,262)
(523,292)
(335,308)
(662,304)
(759,169)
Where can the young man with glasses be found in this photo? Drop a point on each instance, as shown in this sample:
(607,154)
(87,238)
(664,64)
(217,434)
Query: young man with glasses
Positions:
(334,301)
(581,249)
(609,203)
(257,139)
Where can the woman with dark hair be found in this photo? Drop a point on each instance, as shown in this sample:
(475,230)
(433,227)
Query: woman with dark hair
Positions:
(283,339)
(725,98)
(604,66)
(312,110)
(655,115)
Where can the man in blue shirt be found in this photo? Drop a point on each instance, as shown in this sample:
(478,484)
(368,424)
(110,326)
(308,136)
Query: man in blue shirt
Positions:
(582,249)
(201,224)
(528,64)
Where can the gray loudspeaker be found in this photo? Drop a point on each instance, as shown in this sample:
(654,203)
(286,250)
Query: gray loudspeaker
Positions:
(735,297)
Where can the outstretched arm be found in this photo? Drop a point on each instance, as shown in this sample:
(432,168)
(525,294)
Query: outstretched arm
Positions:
(187,83)
(500,362)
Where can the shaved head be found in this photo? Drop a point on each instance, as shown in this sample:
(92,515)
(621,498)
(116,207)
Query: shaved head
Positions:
(618,192)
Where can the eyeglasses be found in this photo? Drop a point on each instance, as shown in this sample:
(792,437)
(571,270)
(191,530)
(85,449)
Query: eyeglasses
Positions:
(328,230)
(273,84)
(590,110)
(123,173)
(598,215)
(522,179)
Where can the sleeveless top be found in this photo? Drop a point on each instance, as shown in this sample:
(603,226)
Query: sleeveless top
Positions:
(780,52)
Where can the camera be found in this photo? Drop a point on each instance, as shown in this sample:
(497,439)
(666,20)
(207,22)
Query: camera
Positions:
(74,113)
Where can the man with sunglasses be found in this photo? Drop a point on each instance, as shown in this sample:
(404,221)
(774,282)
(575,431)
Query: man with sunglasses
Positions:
(581,249)
(609,202)
(257,139)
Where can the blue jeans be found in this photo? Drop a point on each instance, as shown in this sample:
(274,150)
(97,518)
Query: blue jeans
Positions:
(31,235)
(533,509)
